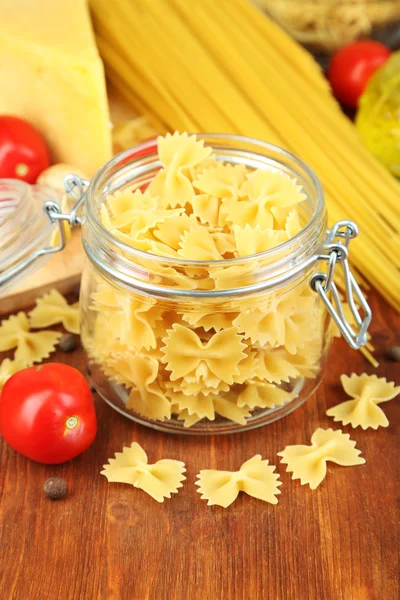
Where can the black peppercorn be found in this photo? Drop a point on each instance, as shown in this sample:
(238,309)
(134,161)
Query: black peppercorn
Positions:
(55,488)
(67,343)
(393,354)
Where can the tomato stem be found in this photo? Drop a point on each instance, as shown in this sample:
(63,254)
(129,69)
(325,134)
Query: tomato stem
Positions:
(71,422)
(21,169)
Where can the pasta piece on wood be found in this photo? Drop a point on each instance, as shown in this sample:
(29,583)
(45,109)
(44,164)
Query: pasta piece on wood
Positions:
(368,391)
(255,478)
(52,308)
(159,480)
(30,347)
(308,463)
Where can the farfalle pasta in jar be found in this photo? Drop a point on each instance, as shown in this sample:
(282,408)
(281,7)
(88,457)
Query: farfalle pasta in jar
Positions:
(197,309)
(208,290)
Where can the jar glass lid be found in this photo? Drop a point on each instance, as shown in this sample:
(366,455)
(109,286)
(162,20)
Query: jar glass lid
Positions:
(24,227)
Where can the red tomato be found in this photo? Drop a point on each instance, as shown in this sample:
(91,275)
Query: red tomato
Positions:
(352,66)
(150,150)
(23,152)
(147,152)
(47,413)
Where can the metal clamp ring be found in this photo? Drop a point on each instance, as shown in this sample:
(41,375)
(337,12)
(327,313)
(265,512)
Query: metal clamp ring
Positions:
(322,283)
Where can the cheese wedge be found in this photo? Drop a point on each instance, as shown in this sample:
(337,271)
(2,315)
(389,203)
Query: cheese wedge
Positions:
(51,74)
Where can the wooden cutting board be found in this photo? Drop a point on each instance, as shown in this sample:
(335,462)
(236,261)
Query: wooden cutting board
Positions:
(63,270)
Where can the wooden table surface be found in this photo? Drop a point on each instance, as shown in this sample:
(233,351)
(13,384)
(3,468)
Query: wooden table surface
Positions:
(113,542)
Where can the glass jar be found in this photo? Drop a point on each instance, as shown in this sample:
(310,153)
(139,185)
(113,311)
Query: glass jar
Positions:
(244,332)
(210,347)
(24,230)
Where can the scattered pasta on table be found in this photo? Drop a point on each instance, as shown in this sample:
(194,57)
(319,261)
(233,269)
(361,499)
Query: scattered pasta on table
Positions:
(131,466)
(32,347)
(308,463)
(52,308)
(367,391)
(255,478)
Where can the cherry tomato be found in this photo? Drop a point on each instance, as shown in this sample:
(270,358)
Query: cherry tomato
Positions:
(352,66)
(23,152)
(145,152)
(47,413)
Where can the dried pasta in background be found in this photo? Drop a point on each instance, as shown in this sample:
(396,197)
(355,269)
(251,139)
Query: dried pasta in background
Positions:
(159,480)
(126,134)
(52,308)
(329,24)
(308,463)
(368,391)
(255,478)
(30,347)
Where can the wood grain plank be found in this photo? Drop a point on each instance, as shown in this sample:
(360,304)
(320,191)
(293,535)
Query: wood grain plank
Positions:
(112,542)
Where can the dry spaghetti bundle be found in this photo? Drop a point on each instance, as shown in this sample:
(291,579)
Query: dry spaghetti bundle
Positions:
(224,66)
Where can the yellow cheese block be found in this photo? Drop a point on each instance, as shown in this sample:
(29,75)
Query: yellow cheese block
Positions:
(51,74)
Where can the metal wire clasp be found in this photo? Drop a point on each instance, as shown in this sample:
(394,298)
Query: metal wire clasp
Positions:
(337,244)
(75,187)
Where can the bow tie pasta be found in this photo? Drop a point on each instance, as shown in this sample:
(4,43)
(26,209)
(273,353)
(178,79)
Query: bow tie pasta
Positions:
(131,466)
(255,478)
(308,463)
(367,392)
(205,225)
